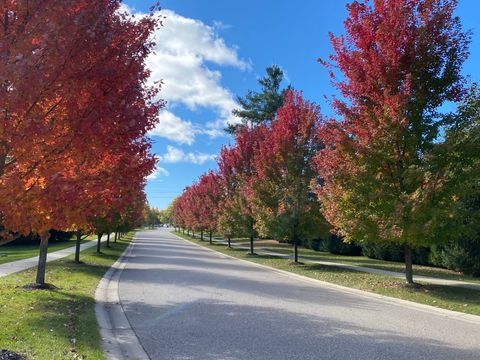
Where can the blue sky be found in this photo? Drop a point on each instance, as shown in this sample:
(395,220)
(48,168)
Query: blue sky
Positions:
(209,51)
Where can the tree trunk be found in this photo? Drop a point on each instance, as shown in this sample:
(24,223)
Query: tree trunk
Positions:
(115,237)
(193,233)
(408,265)
(42,259)
(295,247)
(252,252)
(77,247)
(108,240)
(229,242)
(211,242)
(201,235)
(99,239)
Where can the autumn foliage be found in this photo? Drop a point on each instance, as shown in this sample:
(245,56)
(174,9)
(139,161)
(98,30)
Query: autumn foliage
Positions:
(75,112)
(285,206)
(384,169)
(197,209)
(401,61)
(263,185)
(390,167)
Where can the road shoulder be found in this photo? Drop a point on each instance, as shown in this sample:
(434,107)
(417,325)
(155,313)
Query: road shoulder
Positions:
(119,340)
(365,294)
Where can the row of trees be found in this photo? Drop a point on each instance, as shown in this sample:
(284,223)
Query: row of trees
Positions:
(390,168)
(153,217)
(75,110)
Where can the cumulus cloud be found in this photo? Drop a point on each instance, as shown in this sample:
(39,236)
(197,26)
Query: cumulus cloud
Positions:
(175,129)
(184,48)
(199,158)
(173,155)
(157,173)
(181,35)
(176,155)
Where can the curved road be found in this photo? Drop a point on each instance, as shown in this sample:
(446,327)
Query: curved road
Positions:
(185,302)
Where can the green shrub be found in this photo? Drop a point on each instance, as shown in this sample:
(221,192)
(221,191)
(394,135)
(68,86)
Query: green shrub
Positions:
(462,255)
(313,244)
(33,239)
(393,252)
(334,245)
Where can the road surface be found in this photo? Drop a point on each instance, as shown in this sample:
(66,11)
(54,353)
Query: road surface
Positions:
(185,302)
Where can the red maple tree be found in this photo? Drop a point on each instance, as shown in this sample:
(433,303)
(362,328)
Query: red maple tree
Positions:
(400,61)
(75,108)
(237,175)
(284,204)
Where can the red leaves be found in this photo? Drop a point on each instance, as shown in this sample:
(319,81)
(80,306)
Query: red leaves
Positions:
(400,61)
(378,174)
(285,170)
(264,178)
(197,208)
(76,113)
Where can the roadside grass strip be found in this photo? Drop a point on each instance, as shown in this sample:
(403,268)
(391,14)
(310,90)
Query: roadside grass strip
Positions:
(14,253)
(61,323)
(441,296)
(399,267)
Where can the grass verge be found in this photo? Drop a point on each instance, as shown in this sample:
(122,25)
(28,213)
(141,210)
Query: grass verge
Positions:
(56,324)
(446,297)
(14,253)
(364,261)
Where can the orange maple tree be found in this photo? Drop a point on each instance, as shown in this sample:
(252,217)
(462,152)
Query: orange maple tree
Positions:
(75,111)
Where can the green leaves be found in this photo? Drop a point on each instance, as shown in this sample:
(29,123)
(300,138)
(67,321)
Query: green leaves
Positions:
(261,107)
(388,177)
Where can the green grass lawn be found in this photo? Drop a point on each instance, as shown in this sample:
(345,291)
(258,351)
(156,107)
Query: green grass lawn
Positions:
(14,253)
(446,297)
(310,254)
(57,324)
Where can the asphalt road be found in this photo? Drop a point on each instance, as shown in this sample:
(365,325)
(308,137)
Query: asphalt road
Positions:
(185,302)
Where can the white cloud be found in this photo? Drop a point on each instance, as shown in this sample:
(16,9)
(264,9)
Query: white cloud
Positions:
(175,155)
(183,49)
(124,8)
(181,35)
(175,129)
(157,173)
(220,25)
(199,158)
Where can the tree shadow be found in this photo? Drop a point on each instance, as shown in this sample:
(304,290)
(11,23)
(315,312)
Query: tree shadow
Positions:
(206,328)
(55,318)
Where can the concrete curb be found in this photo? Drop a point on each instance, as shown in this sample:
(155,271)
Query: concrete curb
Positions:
(365,294)
(119,341)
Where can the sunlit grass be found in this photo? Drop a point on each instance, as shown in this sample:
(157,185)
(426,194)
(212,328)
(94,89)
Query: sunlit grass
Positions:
(20,252)
(57,324)
(309,254)
(446,297)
